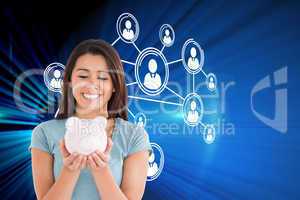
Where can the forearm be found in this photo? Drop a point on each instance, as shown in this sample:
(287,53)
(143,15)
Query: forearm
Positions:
(107,186)
(64,186)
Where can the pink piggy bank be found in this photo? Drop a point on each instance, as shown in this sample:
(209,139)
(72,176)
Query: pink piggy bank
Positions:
(85,136)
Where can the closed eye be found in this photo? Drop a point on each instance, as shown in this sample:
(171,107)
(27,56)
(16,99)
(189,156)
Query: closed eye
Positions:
(102,78)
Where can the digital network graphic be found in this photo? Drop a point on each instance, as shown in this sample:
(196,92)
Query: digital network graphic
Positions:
(152,81)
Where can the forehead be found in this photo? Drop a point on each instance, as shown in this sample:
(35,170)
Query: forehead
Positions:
(91,63)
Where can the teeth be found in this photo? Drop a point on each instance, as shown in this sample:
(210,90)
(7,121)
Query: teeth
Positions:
(91,96)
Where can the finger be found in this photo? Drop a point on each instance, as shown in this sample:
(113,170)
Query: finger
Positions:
(88,165)
(104,157)
(70,159)
(76,164)
(97,160)
(91,162)
(63,149)
(109,146)
(83,162)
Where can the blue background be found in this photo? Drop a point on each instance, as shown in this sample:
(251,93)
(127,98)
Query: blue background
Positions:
(243,41)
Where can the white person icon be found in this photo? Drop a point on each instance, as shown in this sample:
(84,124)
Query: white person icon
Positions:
(128,33)
(152,79)
(193,62)
(56,81)
(167,38)
(153,167)
(193,113)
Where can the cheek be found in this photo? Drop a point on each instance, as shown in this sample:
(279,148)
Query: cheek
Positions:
(77,89)
(107,91)
(76,93)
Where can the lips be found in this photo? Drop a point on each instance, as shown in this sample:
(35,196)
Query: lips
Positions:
(90,96)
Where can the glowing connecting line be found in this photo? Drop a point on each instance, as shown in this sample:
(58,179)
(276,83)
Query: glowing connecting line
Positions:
(131,113)
(153,83)
(127,62)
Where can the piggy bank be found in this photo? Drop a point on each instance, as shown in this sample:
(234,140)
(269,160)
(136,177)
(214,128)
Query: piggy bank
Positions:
(85,136)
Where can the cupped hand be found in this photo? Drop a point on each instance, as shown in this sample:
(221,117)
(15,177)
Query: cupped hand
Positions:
(73,162)
(99,160)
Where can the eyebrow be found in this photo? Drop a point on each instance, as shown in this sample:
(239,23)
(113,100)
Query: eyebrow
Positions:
(89,70)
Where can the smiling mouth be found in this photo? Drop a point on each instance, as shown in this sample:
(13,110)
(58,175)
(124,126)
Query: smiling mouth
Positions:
(90,96)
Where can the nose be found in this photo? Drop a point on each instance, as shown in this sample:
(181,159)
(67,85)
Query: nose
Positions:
(93,83)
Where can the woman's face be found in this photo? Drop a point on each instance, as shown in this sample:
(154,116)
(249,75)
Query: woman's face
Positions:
(91,84)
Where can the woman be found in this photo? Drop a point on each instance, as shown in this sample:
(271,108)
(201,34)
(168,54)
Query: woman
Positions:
(93,85)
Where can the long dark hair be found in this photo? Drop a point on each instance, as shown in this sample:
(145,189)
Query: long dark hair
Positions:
(117,105)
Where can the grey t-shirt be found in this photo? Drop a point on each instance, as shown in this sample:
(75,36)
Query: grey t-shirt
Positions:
(127,138)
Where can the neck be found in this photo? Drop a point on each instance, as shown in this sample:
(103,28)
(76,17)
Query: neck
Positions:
(86,114)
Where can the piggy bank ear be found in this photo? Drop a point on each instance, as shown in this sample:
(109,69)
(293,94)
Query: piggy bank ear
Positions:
(72,121)
(101,121)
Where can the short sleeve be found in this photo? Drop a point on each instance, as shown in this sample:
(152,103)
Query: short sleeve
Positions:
(39,140)
(139,141)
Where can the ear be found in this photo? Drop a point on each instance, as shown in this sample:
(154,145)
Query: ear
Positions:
(113,90)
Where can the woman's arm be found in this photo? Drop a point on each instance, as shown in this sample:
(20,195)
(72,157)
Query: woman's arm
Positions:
(134,176)
(106,185)
(42,171)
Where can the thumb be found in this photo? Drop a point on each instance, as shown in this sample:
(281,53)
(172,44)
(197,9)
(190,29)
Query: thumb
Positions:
(108,146)
(63,149)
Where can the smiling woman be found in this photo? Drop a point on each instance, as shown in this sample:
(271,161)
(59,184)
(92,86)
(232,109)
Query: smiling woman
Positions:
(94,85)
(94,66)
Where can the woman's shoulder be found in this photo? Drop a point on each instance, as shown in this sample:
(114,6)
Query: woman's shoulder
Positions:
(46,134)
(51,123)
(129,130)
(51,126)
(133,136)
(125,123)
(128,127)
